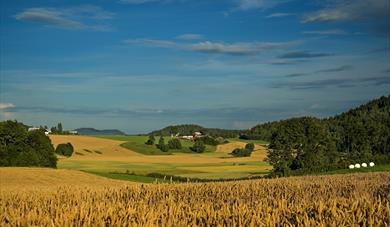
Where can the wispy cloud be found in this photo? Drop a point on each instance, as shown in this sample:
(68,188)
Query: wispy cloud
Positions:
(248,48)
(304,54)
(296,74)
(339,82)
(278,15)
(286,62)
(140,2)
(326,32)
(4,106)
(238,48)
(329,70)
(6,111)
(190,36)
(337,69)
(376,12)
(346,10)
(68,18)
(257,4)
(137,2)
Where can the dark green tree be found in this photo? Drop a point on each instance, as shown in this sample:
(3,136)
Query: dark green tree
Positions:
(174,144)
(65,149)
(151,140)
(302,143)
(161,145)
(241,152)
(59,127)
(198,147)
(250,146)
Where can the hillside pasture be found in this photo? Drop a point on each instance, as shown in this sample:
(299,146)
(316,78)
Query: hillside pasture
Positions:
(116,159)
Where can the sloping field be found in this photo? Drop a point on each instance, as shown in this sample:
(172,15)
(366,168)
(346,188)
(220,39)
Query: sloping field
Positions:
(15,178)
(102,156)
(259,153)
(338,200)
(92,148)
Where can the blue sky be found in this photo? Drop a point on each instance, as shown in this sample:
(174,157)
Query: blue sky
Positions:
(139,65)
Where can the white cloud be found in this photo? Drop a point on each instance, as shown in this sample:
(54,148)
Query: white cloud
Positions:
(140,2)
(238,48)
(241,48)
(137,2)
(245,5)
(68,18)
(276,15)
(326,32)
(4,111)
(190,36)
(346,10)
(4,106)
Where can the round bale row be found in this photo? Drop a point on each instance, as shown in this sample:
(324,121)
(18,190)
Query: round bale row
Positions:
(357,165)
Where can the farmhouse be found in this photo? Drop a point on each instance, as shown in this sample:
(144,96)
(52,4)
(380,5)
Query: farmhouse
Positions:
(187,137)
(47,131)
(191,137)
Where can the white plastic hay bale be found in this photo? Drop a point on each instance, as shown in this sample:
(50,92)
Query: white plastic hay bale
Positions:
(372,164)
(351,166)
(357,165)
(364,164)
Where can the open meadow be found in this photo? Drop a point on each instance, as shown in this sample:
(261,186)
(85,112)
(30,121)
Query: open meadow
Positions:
(339,200)
(109,157)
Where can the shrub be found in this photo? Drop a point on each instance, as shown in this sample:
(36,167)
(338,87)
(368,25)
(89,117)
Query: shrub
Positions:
(150,141)
(208,140)
(198,147)
(174,144)
(164,148)
(161,145)
(221,140)
(250,146)
(66,149)
(240,152)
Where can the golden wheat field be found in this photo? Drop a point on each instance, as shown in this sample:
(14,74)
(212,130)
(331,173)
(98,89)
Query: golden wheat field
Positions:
(338,200)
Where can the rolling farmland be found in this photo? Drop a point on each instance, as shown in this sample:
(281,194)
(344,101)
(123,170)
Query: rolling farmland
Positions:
(106,156)
(354,199)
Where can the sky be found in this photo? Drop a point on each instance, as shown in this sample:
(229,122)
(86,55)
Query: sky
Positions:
(140,65)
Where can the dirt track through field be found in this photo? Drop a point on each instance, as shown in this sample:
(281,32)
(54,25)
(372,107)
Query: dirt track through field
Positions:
(110,150)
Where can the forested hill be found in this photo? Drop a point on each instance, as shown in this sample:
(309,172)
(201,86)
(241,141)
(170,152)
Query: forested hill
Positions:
(375,113)
(309,144)
(189,129)
(92,131)
(378,109)
(364,130)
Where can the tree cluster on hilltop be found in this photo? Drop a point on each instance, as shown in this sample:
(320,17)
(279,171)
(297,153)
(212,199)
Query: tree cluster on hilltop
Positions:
(190,129)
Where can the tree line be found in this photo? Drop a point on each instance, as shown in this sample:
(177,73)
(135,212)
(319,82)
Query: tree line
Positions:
(190,129)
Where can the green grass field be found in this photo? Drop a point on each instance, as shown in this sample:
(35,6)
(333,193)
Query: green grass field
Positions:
(137,144)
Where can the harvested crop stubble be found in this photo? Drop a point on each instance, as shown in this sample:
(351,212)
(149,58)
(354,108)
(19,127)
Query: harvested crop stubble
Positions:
(338,200)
